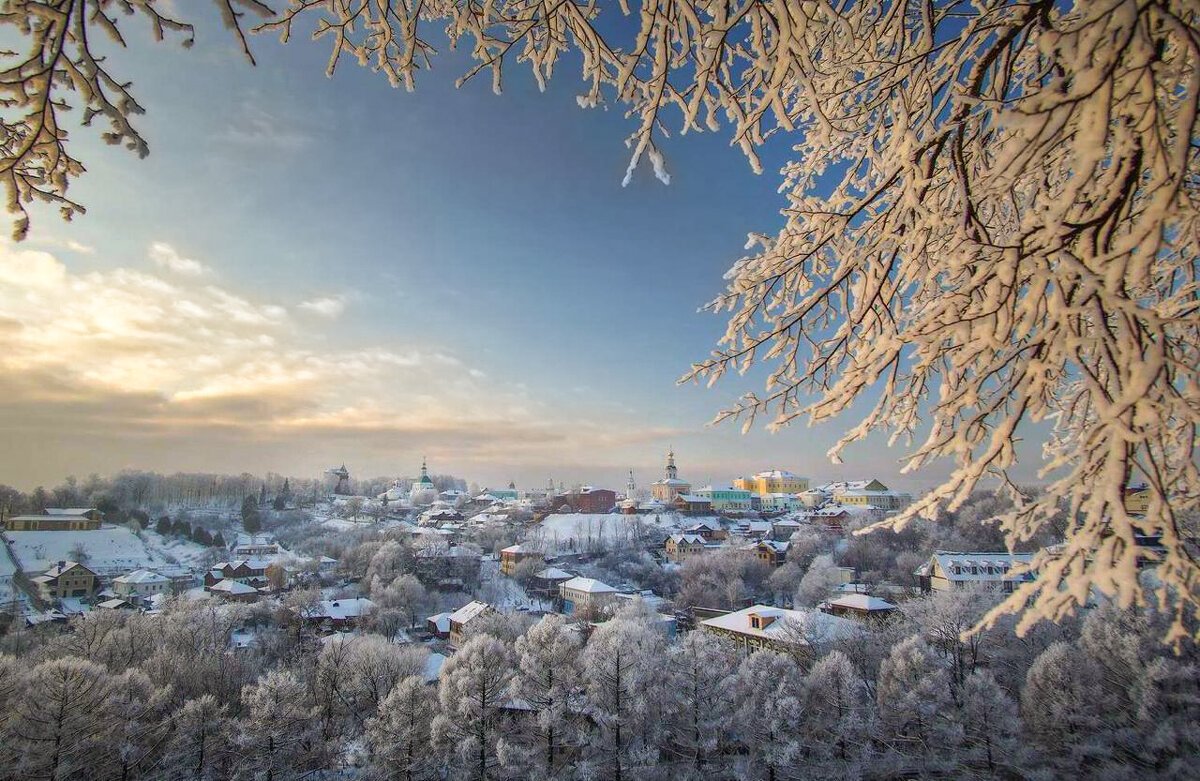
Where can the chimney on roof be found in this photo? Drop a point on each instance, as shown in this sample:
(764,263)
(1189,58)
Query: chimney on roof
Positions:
(61,565)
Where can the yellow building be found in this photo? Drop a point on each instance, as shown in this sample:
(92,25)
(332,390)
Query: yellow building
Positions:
(66,579)
(513,555)
(1137,499)
(871,494)
(680,546)
(56,519)
(774,481)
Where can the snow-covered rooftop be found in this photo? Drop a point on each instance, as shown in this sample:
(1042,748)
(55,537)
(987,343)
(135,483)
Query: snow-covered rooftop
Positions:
(588,586)
(141,577)
(800,626)
(861,602)
(469,611)
(233,588)
(554,573)
(342,609)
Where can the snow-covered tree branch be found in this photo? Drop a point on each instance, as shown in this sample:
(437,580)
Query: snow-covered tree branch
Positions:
(990,220)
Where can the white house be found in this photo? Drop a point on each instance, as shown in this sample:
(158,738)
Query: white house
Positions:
(586,597)
(948,570)
(140,584)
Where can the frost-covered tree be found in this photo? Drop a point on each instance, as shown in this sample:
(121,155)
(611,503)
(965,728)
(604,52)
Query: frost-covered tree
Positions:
(405,594)
(136,726)
(547,679)
(1062,710)
(201,743)
(916,712)
(945,619)
(990,216)
(399,736)
(624,681)
(699,715)
(277,739)
(472,690)
(767,690)
(59,719)
(819,582)
(991,727)
(836,727)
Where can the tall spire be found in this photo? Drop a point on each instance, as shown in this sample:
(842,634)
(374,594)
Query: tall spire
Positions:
(630,488)
(424,471)
(672,472)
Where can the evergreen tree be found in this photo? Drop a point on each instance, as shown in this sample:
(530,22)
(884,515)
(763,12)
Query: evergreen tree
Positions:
(251,520)
(218,541)
(262,495)
(163,526)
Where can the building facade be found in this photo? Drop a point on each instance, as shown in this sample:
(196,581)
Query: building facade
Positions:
(141,583)
(726,499)
(513,555)
(773,481)
(948,570)
(66,579)
(587,598)
(56,519)
(671,485)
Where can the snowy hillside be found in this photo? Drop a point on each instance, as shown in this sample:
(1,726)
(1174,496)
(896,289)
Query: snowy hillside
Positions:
(575,532)
(109,549)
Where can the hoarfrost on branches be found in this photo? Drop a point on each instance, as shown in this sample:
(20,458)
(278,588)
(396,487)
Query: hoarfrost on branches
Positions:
(990,222)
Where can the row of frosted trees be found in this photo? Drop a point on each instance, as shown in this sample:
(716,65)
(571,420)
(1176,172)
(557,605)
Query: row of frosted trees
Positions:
(163,697)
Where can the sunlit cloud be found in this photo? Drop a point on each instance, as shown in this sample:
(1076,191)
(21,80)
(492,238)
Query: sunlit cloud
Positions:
(330,307)
(128,361)
(165,256)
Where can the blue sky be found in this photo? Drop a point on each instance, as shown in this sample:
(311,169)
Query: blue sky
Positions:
(447,272)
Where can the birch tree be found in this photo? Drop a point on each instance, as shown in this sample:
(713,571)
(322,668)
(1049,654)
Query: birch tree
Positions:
(990,218)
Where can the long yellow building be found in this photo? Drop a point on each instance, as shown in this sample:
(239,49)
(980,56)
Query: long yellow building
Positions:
(774,481)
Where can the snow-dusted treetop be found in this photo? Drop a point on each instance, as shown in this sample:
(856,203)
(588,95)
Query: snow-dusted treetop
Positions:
(990,220)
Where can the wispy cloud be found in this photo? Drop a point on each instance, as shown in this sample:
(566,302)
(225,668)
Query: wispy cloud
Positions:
(60,243)
(255,126)
(330,307)
(167,257)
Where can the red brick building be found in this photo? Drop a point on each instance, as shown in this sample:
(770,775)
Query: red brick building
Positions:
(587,500)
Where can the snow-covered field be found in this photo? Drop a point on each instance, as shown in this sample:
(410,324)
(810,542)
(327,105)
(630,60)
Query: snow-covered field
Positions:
(576,532)
(110,549)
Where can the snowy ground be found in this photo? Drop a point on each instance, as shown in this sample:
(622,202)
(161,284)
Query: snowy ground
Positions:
(110,549)
(579,532)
